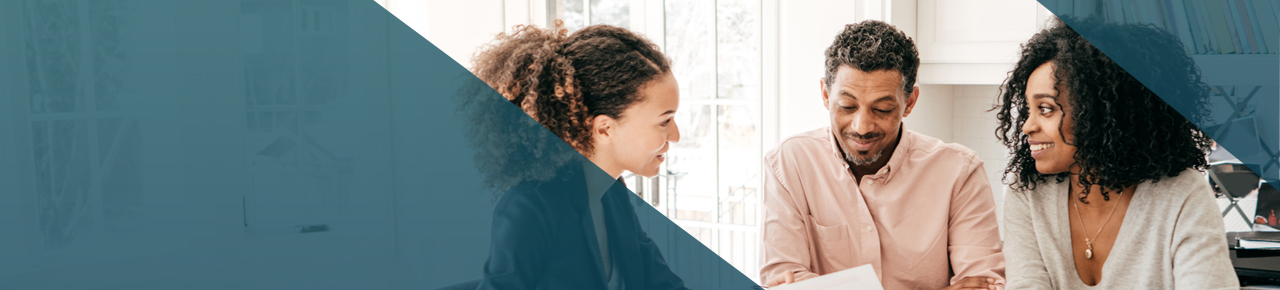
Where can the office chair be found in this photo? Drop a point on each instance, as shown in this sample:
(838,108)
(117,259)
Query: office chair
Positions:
(1238,181)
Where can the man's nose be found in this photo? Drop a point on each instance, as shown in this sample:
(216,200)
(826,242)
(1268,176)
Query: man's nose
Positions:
(862,123)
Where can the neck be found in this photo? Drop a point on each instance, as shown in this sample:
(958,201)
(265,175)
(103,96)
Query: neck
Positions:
(605,164)
(597,184)
(1095,197)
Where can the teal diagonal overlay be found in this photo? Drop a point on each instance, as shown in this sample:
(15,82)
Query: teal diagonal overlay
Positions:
(275,144)
(1232,42)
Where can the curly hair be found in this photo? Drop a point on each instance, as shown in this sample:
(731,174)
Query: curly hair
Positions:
(873,45)
(1124,133)
(561,81)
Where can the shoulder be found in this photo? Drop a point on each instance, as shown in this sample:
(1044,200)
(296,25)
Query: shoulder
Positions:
(1038,193)
(1189,188)
(530,202)
(925,147)
(803,145)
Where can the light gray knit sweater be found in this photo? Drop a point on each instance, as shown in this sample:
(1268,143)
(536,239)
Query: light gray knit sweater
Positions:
(1171,238)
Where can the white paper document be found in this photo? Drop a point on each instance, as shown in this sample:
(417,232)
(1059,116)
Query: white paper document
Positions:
(1258,244)
(858,278)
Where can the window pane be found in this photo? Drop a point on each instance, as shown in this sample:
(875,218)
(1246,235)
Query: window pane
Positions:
(738,49)
(691,46)
(611,12)
(693,161)
(574,15)
(739,162)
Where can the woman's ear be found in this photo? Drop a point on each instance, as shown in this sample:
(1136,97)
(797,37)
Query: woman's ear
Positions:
(602,129)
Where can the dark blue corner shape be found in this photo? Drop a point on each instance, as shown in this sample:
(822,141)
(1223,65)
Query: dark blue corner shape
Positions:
(271,144)
(1242,68)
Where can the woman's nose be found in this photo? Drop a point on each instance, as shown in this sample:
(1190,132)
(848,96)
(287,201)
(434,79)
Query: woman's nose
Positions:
(1030,126)
(674,135)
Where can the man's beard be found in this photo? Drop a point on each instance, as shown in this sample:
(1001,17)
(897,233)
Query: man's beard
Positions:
(853,159)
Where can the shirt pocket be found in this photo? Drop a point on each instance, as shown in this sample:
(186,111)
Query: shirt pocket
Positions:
(834,245)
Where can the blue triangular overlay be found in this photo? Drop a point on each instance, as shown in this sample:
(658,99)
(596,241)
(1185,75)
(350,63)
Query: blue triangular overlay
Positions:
(1245,96)
(255,144)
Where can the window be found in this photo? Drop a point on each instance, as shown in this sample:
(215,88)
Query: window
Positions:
(577,14)
(84,163)
(294,103)
(715,49)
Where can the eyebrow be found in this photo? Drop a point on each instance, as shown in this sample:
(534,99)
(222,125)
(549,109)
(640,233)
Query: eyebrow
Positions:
(668,112)
(1040,96)
(881,99)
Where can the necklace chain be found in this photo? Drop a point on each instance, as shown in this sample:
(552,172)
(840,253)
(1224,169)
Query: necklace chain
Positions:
(1087,240)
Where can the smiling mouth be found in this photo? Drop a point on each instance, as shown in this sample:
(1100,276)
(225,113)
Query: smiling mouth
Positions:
(1040,147)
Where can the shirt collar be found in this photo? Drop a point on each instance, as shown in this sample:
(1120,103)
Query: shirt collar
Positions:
(905,140)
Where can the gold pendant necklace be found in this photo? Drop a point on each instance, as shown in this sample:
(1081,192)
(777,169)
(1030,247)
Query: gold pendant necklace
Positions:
(1088,242)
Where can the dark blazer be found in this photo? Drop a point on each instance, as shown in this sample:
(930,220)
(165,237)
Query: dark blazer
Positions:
(543,238)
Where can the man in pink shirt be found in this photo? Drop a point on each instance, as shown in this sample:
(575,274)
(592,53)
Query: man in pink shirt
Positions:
(867,191)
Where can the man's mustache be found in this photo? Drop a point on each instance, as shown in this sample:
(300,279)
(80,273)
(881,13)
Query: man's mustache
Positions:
(863,137)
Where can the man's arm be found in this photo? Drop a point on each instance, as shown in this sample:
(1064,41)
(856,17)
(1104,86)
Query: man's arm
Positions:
(973,237)
(786,240)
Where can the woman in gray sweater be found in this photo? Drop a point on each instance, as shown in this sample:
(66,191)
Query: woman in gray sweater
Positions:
(1105,188)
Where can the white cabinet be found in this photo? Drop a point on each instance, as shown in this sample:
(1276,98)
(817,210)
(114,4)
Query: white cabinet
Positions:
(973,42)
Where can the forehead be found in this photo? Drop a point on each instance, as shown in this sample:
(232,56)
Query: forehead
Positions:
(1042,81)
(662,93)
(883,81)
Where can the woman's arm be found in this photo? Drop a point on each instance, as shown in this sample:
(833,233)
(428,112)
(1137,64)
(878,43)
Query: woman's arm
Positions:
(1024,267)
(659,273)
(521,236)
(1200,256)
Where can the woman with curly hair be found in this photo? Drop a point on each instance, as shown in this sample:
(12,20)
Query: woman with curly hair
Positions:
(1105,183)
(561,221)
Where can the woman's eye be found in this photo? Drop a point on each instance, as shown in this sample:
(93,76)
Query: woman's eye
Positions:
(1045,110)
(667,122)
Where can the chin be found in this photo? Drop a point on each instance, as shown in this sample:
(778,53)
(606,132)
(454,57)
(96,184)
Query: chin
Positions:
(1048,168)
(647,173)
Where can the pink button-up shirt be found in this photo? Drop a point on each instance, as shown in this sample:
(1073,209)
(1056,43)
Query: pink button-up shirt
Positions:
(924,221)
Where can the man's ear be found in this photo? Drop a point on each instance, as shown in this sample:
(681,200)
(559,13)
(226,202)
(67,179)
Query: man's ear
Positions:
(826,98)
(911,101)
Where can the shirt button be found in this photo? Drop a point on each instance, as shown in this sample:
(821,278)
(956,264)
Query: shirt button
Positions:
(870,228)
